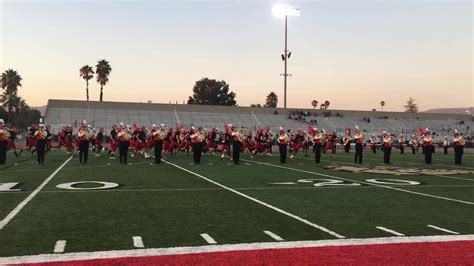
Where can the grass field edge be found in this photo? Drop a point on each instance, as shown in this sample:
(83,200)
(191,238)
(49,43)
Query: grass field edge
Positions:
(113,254)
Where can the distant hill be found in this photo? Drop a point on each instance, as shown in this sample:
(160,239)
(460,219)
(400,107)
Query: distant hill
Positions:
(450,111)
(42,109)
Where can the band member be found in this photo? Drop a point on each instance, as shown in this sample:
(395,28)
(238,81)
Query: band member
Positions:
(225,144)
(11,142)
(330,144)
(414,144)
(99,138)
(458,147)
(296,143)
(401,143)
(283,141)
(4,136)
(359,146)
(123,137)
(158,136)
(40,137)
(237,137)
(373,143)
(113,141)
(211,140)
(83,136)
(197,139)
(318,141)
(259,143)
(387,147)
(347,141)
(446,144)
(427,142)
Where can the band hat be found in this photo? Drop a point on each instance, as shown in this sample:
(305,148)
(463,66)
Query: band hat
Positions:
(1,121)
(154,125)
(41,125)
(162,125)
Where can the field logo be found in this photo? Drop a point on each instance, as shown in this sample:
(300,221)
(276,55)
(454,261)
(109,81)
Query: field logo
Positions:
(76,185)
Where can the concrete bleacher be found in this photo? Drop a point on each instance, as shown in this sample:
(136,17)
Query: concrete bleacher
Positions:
(105,114)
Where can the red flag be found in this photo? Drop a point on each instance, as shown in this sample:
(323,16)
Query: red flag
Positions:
(226,129)
(310,131)
(421,132)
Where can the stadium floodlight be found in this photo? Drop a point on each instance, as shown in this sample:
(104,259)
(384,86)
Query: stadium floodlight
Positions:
(284,11)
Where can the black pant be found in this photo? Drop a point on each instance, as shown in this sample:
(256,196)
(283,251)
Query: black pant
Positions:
(458,151)
(359,150)
(158,150)
(123,151)
(283,152)
(402,149)
(413,149)
(386,154)
(445,149)
(197,152)
(83,151)
(3,151)
(374,149)
(40,150)
(236,151)
(317,150)
(428,154)
(347,147)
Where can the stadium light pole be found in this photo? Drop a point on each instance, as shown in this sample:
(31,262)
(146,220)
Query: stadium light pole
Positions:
(283,11)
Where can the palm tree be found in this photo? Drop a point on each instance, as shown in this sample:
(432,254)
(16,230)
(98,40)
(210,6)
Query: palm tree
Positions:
(314,103)
(10,82)
(322,106)
(326,104)
(382,103)
(272,100)
(87,74)
(102,69)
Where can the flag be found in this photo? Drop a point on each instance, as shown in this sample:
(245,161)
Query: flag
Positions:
(310,131)
(135,127)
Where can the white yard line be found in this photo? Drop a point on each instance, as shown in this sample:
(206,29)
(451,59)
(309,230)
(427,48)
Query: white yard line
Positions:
(138,242)
(274,236)
(324,229)
(77,256)
(443,229)
(458,178)
(393,232)
(20,206)
(363,182)
(208,238)
(60,246)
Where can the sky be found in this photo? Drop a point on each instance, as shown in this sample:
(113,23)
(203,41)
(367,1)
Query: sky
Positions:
(354,53)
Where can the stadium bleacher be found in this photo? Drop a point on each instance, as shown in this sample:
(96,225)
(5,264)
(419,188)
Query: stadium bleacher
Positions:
(105,114)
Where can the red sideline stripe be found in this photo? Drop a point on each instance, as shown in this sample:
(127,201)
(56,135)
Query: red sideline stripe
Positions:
(456,252)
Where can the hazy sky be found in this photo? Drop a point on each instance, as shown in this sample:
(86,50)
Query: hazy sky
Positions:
(352,53)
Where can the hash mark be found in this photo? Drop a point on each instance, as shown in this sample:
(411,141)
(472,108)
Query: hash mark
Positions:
(60,246)
(442,229)
(208,239)
(138,242)
(274,236)
(389,231)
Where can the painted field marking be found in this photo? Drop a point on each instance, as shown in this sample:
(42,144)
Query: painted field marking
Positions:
(208,239)
(211,164)
(229,164)
(442,229)
(22,204)
(324,229)
(389,231)
(80,256)
(138,242)
(300,163)
(363,182)
(274,236)
(60,246)
(246,163)
(458,178)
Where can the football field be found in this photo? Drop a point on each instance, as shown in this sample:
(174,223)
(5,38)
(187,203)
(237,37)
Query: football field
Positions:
(177,204)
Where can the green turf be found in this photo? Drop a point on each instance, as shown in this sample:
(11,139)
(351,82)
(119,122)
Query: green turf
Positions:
(169,207)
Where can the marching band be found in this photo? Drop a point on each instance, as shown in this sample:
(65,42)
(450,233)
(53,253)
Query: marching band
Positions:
(231,141)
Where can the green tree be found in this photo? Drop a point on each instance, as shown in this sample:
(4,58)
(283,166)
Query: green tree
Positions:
(212,92)
(326,104)
(10,82)
(102,69)
(87,74)
(255,105)
(272,100)
(411,106)
(314,103)
(382,104)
